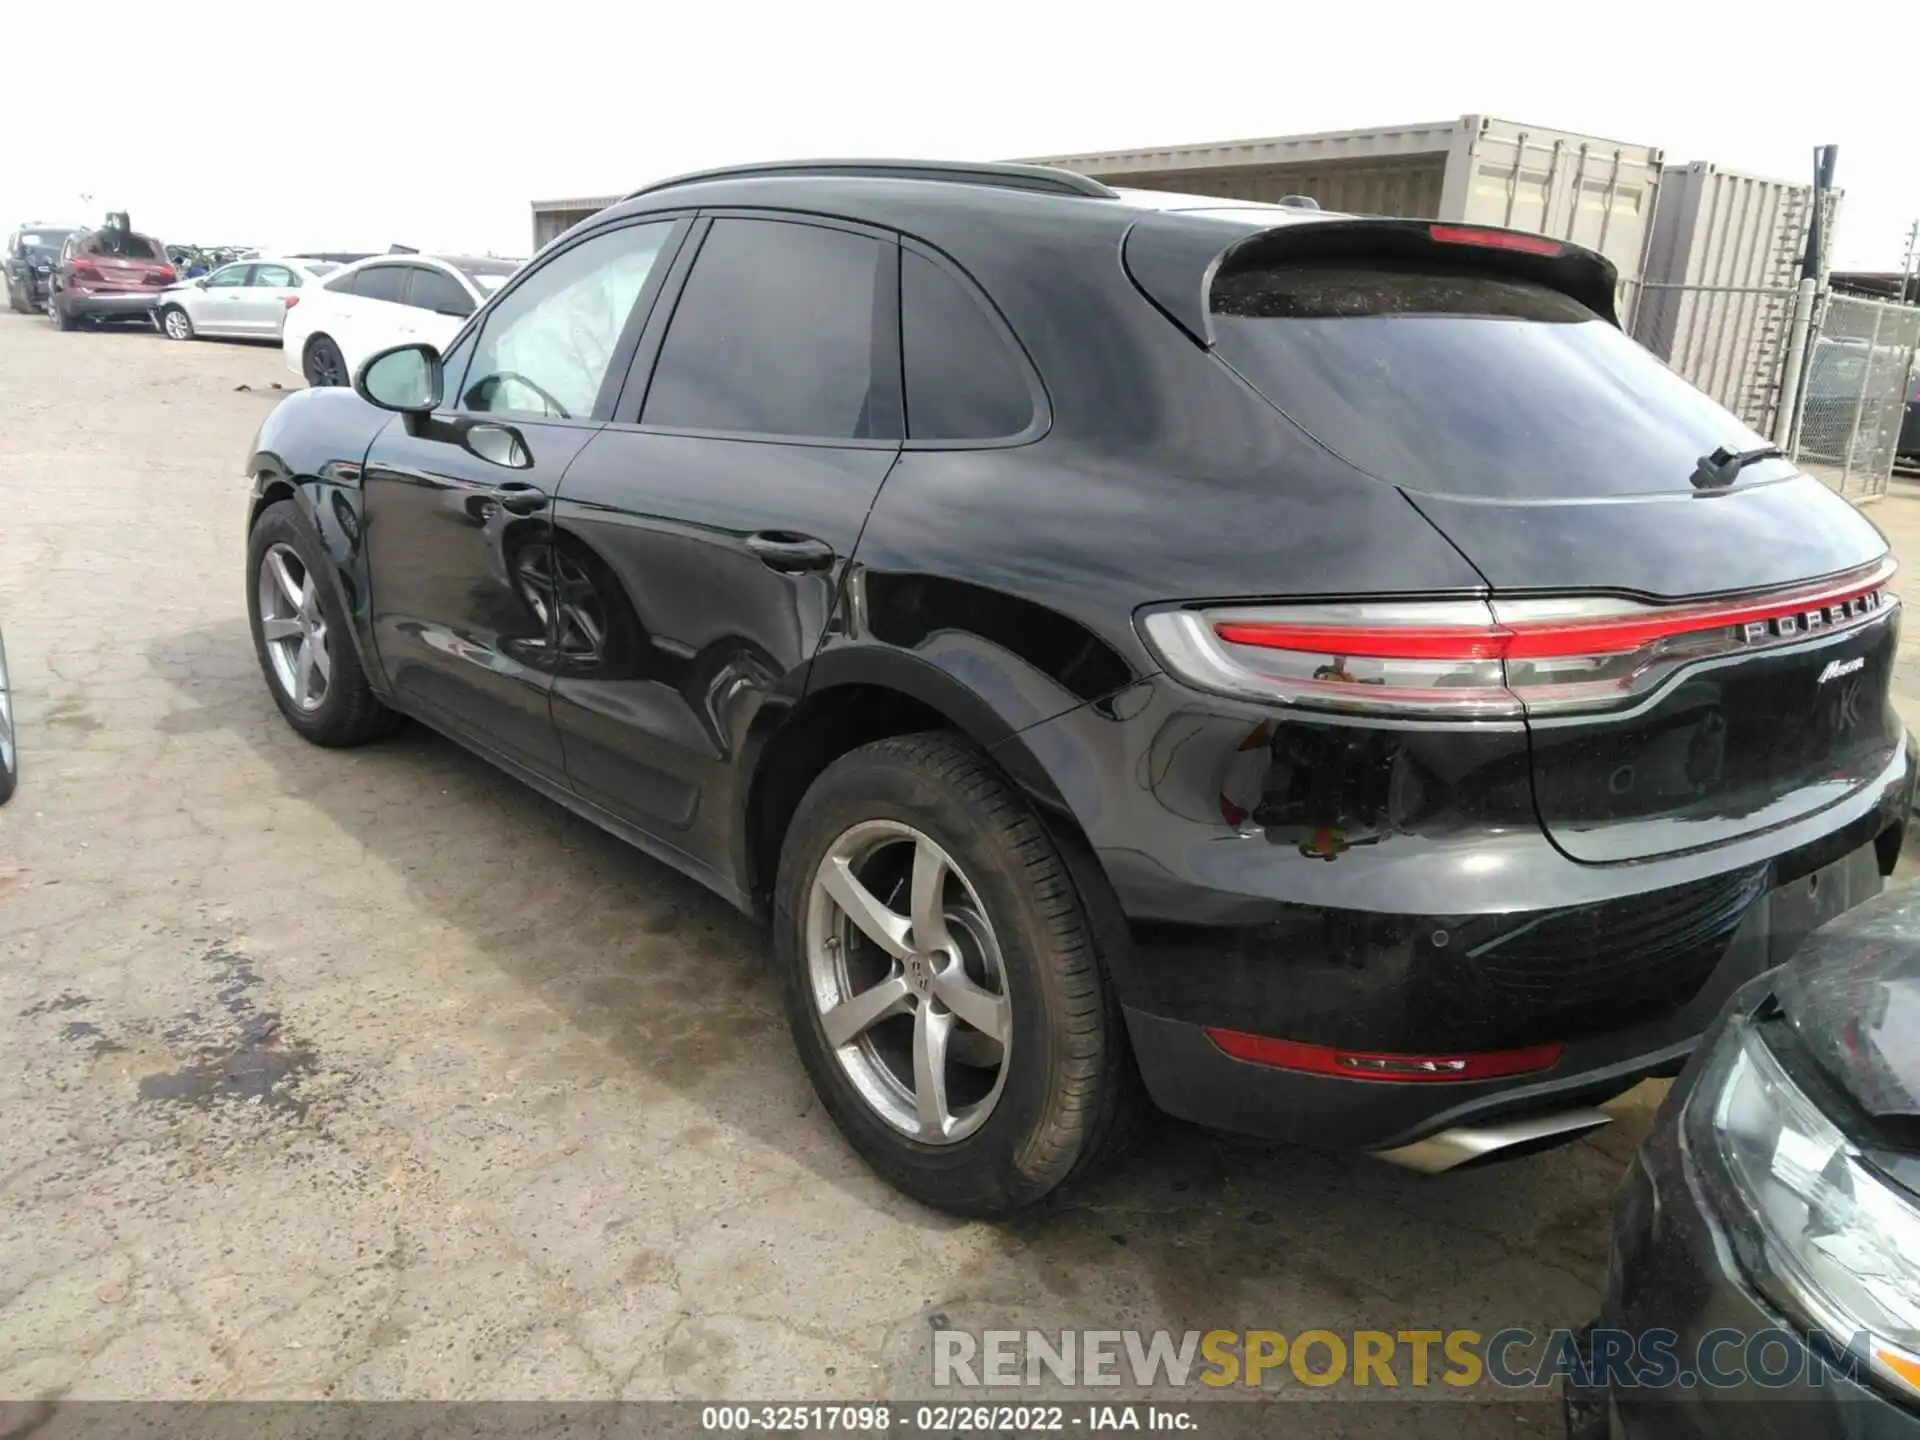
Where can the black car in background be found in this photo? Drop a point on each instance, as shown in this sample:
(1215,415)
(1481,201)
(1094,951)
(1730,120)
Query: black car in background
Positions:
(1314,669)
(32,251)
(1768,1231)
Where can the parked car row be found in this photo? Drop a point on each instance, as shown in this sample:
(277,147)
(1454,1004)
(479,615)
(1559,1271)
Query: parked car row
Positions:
(356,304)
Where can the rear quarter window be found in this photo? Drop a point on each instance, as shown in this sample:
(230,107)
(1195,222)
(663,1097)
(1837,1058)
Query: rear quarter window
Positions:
(1463,382)
(964,379)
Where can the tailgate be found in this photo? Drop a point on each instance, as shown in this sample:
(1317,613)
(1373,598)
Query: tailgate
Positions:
(117,272)
(1767,704)
(1700,637)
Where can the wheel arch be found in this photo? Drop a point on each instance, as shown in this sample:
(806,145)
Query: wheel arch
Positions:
(859,694)
(336,530)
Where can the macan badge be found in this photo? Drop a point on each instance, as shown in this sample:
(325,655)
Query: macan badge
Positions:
(1836,668)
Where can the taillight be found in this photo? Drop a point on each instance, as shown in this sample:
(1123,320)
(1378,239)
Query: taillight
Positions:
(1489,659)
(1381,1065)
(160,275)
(1494,239)
(290,300)
(86,270)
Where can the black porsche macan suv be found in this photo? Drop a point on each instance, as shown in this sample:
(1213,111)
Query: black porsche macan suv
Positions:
(1315,666)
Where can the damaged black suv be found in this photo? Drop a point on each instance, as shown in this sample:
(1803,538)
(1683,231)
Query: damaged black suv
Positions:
(1312,670)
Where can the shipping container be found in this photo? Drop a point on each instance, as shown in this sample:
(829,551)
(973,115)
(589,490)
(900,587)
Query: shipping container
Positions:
(1715,295)
(1475,170)
(553,218)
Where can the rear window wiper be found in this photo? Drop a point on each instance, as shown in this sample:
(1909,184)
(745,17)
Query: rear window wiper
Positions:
(1723,466)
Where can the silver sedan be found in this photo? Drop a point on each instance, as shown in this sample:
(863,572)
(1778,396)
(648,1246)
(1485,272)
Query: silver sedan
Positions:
(248,299)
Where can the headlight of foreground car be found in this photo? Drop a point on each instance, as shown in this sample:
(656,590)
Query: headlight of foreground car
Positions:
(1821,1234)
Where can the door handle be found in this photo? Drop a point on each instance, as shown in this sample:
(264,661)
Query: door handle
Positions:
(789,553)
(517,499)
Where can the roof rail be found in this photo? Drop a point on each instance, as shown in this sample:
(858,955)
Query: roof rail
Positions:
(1044,179)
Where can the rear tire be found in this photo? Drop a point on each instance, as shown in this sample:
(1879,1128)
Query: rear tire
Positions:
(327,700)
(176,324)
(323,364)
(61,317)
(1062,1096)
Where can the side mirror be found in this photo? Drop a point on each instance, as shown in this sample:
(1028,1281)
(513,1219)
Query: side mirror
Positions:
(405,378)
(201,283)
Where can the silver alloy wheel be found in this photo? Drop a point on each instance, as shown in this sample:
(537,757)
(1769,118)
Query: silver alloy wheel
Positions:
(914,1004)
(294,627)
(178,326)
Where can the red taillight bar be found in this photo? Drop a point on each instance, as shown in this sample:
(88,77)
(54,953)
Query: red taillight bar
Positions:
(1380,1065)
(1385,642)
(1494,239)
(1545,639)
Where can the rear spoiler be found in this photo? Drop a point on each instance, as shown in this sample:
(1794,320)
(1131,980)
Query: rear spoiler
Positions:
(1174,257)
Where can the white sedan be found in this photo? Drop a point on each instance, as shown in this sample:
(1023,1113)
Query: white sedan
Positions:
(249,299)
(372,304)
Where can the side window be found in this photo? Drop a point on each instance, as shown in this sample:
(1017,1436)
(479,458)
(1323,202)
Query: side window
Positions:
(275,275)
(964,381)
(778,332)
(382,282)
(545,348)
(438,291)
(343,284)
(231,277)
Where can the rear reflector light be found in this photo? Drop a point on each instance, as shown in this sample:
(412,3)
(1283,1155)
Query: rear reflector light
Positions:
(1494,239)
(1378,1065)
(1479,659)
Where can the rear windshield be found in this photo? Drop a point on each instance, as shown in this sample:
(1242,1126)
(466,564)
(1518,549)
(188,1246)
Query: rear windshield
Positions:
(1460,382)
(125,246)
(487,274)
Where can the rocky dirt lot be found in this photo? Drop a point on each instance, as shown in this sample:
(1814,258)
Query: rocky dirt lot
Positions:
(375,1075)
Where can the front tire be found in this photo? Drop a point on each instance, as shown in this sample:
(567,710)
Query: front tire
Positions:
(323,364)
(301,636)
(941,981)
(176,324)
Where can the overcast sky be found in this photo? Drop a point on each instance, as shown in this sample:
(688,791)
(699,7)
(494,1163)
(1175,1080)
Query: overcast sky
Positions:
(349,125)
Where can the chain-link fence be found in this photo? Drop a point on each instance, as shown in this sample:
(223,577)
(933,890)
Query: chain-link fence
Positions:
(1854,393)
(1854,377)
(1728,340)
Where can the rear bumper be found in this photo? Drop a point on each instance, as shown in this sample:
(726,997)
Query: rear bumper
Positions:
(107,305)
(1192,1077)
(1427,915)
